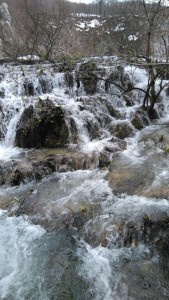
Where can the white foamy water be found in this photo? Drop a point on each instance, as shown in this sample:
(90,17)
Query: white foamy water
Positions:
(7,153)
(72,264)
(17,236)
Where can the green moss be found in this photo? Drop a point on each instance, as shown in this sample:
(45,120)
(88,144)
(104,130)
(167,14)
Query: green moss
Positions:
(165,149)
(137,123)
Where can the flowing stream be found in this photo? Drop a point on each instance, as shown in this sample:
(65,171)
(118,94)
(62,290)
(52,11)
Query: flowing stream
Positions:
(83,240)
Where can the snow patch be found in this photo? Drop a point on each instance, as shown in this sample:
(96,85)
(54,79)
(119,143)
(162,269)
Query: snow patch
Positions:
(132,37)
(28,58)
(119,27)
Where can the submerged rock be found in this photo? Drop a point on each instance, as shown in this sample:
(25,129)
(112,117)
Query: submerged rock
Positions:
(153,231)
(42,126)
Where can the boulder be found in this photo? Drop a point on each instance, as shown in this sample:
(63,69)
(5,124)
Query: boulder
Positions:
(88,77)
(113,112)
(42,126)
(140,119)
(121,130)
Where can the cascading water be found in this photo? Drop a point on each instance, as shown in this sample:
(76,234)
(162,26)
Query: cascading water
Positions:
(98,244)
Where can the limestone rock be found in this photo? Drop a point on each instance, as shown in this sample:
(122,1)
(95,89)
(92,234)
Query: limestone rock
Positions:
(42,126)
(88,77)
(121,130)
(140,119)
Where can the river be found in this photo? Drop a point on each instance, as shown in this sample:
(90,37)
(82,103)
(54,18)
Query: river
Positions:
(84,237)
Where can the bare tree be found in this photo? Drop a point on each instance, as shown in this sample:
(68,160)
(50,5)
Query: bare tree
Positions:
(38,25)
(142,28)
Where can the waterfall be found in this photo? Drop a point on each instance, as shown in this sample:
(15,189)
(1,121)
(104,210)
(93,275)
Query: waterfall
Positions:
(80,234)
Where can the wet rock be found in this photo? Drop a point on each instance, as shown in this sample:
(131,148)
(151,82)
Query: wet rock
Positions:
(129,179)
(45,84)
(73,132)
(152,231)
(113,147)
(42,126)
(104,159)
(88,77)
(114,77)
(2,93)
(130,234)
(129,101)
(113,112)
(121,130)
(93,130)
(38,164)
(1,76)
(159,192)
(16,177)
(69,79)
(29,88)
(140,119)
(153,114)
(116,142)
(118,78)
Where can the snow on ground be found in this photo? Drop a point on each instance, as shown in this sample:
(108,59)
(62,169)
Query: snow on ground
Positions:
(119,27)
(28,58)
(132,37)
(88,24)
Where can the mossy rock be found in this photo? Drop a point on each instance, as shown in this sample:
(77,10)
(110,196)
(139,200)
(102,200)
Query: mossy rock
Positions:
(121,130)
(128,100)
(136,122)
(113,112)
(42,126)
(140,119)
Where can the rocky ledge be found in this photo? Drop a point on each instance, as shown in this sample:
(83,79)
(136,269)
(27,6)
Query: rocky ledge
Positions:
(36,164)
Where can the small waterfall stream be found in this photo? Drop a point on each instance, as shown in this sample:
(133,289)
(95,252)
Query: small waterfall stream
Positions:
(99,242)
